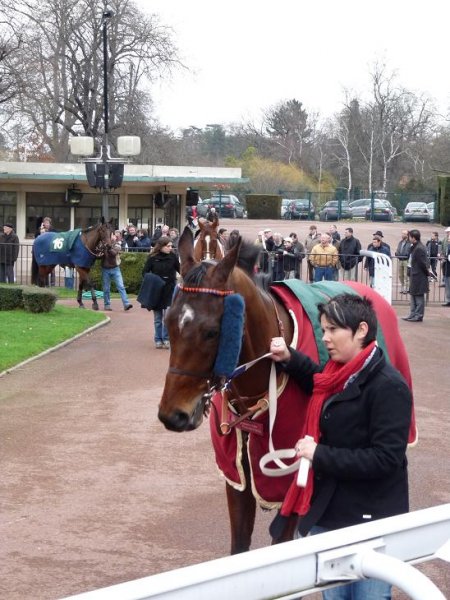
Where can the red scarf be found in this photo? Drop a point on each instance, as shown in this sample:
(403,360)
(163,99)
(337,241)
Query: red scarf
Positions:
(331,381)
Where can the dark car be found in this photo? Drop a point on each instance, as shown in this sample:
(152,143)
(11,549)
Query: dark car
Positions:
(226,205)
(300,208)
(382,211)
(330,211)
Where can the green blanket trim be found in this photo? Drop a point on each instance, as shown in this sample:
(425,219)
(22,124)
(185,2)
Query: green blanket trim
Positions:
(310,295)
(64,240)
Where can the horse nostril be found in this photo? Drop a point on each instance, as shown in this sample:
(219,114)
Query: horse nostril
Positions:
(177,421)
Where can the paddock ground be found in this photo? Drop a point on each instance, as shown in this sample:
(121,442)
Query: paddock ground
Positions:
(94,491)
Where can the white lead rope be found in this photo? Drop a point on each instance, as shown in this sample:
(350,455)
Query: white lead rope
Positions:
(302,464)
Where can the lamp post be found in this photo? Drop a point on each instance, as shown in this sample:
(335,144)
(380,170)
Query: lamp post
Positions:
(104,172)
(107,14)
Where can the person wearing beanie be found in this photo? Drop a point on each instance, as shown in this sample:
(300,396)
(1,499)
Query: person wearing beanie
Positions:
(9,251)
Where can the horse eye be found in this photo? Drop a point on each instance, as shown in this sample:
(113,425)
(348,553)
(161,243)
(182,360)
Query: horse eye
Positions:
(211,334)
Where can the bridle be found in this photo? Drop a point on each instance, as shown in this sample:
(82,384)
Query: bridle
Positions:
(100,247)
(224,385)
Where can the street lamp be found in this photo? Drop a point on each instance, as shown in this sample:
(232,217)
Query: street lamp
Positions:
(104,172)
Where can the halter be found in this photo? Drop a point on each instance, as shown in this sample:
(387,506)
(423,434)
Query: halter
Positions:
(224,384)
(99,249)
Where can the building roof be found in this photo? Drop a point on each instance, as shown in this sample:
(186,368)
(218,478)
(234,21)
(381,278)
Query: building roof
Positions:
(133,173)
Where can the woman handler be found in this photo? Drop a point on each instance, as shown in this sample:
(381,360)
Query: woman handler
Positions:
(358,418)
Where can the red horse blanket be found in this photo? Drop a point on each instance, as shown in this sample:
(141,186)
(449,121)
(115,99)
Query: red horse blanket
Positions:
(292,401)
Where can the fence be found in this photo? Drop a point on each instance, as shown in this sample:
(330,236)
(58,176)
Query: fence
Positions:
(381,549)
(279,266)
(276,265)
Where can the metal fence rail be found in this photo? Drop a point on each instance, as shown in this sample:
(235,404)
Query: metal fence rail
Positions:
(386,549)
(274,264)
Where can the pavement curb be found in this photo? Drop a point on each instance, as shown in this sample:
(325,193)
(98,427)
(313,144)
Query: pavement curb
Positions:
(57,347)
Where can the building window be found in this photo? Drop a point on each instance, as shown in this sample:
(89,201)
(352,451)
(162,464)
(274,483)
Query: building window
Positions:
(8,208)
(89,211)
(46,204)
(140,211)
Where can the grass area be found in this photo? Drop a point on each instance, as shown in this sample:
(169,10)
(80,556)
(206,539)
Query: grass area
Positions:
(23,334)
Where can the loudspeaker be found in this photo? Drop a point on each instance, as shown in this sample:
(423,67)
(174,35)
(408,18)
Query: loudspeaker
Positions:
(115,175)
(74,196)
(192,197)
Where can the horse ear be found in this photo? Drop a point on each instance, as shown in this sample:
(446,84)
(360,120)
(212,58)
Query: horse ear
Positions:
(186,251)
(102,220)
(223,269)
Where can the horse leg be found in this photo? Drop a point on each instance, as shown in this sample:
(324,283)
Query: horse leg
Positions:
(241,510)
(80,293)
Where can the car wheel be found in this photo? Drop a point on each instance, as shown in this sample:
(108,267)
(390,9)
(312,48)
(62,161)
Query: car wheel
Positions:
(326,216)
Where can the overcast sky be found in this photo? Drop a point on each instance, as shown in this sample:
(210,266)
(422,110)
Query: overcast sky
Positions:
(247,55)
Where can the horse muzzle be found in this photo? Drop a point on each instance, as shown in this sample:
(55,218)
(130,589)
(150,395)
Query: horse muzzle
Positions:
(180,420)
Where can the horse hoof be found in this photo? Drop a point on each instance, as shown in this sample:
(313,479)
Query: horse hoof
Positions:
(95,307)
(81,306)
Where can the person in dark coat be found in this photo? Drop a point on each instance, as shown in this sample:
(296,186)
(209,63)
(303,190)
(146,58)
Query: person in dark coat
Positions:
(349,256)
(357,428)
(376,246)
(419,264)
(9,251)
(164,262)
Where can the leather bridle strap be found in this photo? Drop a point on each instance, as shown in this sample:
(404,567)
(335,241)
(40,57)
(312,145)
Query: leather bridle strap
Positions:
(199,374)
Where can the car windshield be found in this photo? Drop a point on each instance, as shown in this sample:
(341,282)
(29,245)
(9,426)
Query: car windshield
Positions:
(416,205)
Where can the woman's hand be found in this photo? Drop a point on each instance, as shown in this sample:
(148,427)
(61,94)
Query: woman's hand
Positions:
(279,350)
(306,447)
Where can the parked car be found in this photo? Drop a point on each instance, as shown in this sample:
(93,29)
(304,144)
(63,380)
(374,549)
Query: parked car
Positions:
(430,207)
(202,208)
(299,208)
(359,207)
(382,211)
(416,211)
(330,211)
(226,205)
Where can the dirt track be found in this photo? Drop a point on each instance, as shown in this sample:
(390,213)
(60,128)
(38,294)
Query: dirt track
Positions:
(94,491)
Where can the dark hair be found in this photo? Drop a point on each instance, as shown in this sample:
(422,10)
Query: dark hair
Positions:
(160,243)
(347,311)
(415,234)
(350,229)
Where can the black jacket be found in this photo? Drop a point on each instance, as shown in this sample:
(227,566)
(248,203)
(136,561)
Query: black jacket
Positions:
(420,270)
(166,266)
(349,250)
(360,465)
(9,248)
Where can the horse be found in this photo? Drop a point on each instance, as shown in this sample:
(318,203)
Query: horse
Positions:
(207,244)
(240,422)
(78,248)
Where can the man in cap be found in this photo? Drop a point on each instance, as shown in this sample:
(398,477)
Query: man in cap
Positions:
(9,251)
(383,243)
(445,256)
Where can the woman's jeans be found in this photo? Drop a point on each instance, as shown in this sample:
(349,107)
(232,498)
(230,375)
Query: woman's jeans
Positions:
(161,334)
(364,589)
(115,275)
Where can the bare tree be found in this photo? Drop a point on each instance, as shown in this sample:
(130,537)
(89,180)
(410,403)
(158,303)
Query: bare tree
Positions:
(62,90)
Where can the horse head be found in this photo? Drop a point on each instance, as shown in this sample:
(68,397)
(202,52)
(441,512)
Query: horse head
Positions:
(207,245)
(194,325)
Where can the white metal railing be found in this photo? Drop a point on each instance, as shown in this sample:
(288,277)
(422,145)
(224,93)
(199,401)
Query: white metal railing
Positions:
(382,280)
(385,549)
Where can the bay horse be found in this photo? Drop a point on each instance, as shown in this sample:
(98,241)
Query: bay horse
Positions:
(207,244)
(78,248)
(243,429)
